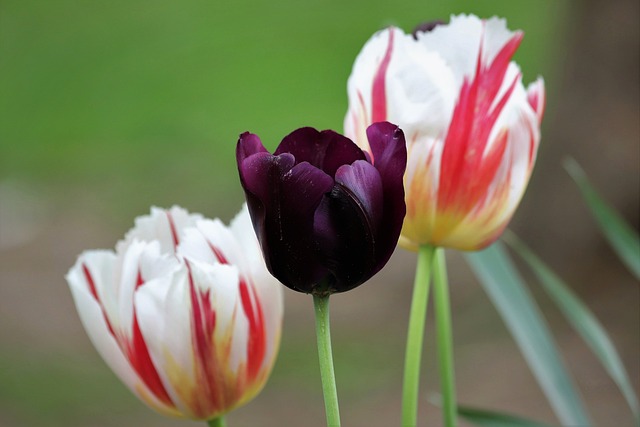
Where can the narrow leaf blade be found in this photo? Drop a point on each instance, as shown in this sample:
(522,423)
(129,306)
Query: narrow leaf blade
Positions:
(511,298)
(582,319)
(485,418)
(620,235)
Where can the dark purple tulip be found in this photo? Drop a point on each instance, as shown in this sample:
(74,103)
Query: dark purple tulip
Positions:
(327,216)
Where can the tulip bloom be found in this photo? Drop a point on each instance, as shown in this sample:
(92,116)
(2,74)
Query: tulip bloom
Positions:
(327,215)
(472,128)
(184,312)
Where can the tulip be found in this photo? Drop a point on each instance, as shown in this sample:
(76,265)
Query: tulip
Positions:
(184,312)
(472,128)
(327,215)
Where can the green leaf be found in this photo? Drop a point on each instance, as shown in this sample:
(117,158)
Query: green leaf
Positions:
(620,235)
(511,298)
(581,318)
(485,418)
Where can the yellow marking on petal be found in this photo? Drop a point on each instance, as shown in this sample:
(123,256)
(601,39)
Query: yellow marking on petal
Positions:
(417,226)
(150,400)
(211,391)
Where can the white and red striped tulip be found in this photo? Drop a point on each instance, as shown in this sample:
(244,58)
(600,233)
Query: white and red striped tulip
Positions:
(472,129)
(184,311)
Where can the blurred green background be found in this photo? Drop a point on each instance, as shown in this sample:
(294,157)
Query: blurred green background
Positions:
(107,108)
(142,102)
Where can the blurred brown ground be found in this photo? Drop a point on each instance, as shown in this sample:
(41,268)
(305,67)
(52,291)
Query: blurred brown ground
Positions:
(595,119)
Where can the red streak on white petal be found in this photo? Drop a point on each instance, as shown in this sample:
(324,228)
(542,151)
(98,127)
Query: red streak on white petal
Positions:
(172,227)
(90,282)
(212,395)
(137,352)
(534,99)
(490,165)
(139,280)
(217,253)
(378,91)
(139,358)
(537,99)
(134,349)
(466,170)
(94,292)
(203,322)
(257,345)
(500,63)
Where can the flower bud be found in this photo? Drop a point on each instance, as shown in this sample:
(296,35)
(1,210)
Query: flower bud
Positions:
(327,215)
(184,312)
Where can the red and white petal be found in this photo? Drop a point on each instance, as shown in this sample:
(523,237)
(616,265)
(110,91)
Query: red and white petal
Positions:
(261,294)
(194,245)
(101,276)
(97,326)
(487,220)
(153,263)
(167,332)
(195,336)
(221,285)
(370,62)
(397,80)
(127,277)
(163,225)
(523,141)
(521,122)
(420,88)
(512,88)
(366,85)
(211,241)
(537,97)
(495,36)
(269,291)
(117,283)
(459,42)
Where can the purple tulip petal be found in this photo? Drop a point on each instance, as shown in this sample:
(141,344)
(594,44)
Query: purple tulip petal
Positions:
(291,233)
(347,224)
(282,197)
(389,154)
(340,151)
(319,235)
(326,150)
(364,182)
(248,144)
(388,150)
(305,145)
(260,175)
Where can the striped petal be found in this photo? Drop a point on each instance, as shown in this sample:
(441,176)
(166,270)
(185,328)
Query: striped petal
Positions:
(188,330)
(190,323)
(89,281)
(472,129)
(162,225)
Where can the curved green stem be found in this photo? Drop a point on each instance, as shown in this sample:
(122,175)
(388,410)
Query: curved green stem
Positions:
(445,339)
(323,334)
(217,422)
(415,336)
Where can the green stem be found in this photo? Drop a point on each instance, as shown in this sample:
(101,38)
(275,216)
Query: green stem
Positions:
(323,334)
(445,339)
(415,336)
(217,422)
